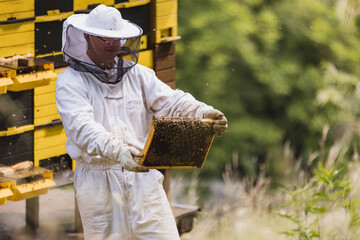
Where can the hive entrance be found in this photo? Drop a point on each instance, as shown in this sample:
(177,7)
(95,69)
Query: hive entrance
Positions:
(177,143)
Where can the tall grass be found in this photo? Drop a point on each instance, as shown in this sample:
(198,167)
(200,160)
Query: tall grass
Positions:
(321,203)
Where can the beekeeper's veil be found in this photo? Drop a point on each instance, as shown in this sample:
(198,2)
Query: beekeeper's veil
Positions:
(105,22)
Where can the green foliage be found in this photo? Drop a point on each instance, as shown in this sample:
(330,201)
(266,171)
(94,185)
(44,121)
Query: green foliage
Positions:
(308,206)
(279,70)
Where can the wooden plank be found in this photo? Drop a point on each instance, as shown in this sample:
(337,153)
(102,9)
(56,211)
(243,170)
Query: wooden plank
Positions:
(44,99)
(167,21)
(166,8)
(84,4)
(164,49)
(17,6)
(46,88)
(51,139)
(172,84)
(165,62)
(17,50)
(46,119)
(19,38)
(44,111)
(48,153)
(167,75)
(17,15)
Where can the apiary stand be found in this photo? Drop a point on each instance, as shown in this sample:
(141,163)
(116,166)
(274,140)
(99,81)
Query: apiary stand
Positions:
(32,212)
(27,183)
(78,224)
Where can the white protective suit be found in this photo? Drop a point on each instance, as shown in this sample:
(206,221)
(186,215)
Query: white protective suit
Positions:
(98,118)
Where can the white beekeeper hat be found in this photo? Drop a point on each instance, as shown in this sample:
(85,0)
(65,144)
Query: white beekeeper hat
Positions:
(105,21)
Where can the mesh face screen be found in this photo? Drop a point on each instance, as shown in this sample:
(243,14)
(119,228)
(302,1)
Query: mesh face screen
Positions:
(75,47)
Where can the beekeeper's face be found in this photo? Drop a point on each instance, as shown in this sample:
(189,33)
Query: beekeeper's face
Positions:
(103,49)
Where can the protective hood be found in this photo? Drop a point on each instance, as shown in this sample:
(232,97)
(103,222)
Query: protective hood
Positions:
(103,22)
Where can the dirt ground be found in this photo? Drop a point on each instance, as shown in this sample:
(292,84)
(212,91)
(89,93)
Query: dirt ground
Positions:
(56,216)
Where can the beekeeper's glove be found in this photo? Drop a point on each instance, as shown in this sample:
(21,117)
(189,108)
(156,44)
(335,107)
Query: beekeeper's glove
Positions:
(128,159)
(220,123)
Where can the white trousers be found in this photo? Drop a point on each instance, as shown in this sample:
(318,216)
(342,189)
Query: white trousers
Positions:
(118,204)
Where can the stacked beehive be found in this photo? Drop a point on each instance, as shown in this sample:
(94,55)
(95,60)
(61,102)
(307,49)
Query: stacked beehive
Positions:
(164,33)
(30,127)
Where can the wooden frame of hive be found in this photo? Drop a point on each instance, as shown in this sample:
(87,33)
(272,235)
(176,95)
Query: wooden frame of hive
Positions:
(177,143)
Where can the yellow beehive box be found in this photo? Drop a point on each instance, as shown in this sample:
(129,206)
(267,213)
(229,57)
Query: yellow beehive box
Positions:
(166,8)
(27,181)
(166,29)
(24,190)
(146,58)
(45,110)
(53,15)
(84,4)
(16,17)
(17,37)
(164,24)
(16,27)
(14,6)
(16,130)
(30,73)
(49,141)
(143,42)
(166,21)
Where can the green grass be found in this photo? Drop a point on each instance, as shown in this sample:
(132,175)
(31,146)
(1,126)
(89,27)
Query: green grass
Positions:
(323,205)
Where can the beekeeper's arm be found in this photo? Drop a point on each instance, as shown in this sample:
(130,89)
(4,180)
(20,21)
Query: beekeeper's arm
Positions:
(164,101)
(90,136)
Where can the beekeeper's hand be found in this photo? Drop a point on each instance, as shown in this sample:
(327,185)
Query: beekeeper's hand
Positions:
(129,158)
(220,123)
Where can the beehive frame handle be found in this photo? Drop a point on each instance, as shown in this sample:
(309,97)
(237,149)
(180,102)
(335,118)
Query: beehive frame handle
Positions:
(147,144)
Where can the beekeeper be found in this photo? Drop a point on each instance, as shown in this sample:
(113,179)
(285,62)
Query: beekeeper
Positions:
(106,102)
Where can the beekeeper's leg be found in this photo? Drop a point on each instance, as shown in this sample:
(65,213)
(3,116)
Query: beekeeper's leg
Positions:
(151,211)
(99,211)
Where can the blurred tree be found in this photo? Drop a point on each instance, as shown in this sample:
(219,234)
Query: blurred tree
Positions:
(279,70)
